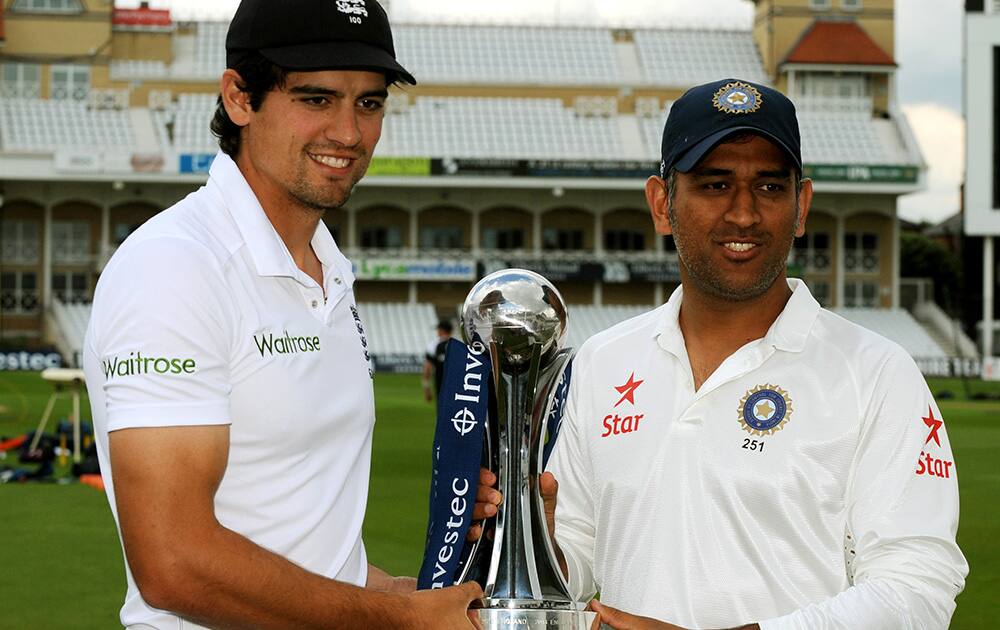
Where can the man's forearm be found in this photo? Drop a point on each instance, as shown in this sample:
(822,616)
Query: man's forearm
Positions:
(227,581)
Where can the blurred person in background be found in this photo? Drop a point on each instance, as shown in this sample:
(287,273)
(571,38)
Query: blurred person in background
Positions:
(434,361)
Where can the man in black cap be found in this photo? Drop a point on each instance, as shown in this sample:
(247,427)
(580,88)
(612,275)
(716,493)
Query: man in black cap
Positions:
(227,362)
(741,457)
(434,360)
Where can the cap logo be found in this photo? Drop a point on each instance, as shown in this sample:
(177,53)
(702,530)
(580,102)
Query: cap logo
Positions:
(353,8)
(737,98)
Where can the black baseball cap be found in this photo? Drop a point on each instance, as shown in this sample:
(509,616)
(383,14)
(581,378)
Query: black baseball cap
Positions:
(707,114)
(316,35)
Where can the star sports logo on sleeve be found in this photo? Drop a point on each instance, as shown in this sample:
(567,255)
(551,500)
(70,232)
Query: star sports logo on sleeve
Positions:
(927,464)
(616,424)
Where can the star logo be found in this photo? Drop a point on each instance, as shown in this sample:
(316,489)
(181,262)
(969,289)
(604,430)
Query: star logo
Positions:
(628,390)
(933,424)
(738,98)
(764,410)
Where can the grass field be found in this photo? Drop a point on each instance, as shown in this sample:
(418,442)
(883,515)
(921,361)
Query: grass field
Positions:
(61,560)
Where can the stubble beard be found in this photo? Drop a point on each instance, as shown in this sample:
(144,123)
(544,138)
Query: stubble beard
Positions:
(322,198)
(711,280)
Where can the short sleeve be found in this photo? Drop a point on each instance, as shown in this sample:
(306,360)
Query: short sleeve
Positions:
(161,331)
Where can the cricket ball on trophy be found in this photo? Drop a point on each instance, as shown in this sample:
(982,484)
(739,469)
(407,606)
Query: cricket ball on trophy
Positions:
(515,308)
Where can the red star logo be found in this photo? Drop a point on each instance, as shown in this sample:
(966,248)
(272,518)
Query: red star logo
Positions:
(933,424)
(628,390)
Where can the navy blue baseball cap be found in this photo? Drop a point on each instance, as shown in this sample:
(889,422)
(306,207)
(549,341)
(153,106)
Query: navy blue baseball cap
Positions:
(707,114)
(316,35)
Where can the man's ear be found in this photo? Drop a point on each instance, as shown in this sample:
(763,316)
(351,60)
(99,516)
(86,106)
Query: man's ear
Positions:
(805,202)
(235,100)
(658,199)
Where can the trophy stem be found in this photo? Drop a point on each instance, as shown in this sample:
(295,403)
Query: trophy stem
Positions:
(521,563)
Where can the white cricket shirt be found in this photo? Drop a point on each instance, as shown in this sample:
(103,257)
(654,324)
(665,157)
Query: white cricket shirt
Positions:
(202,317)
(808,484)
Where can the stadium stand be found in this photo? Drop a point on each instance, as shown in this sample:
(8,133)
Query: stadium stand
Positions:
(501,54)
(897,325)
(683,58)
(851,136)
(210,48)
(585,321)
(835,131)
(69,323)
(396,329)
(190,131)
(526,128)
(129,69)
(497,93)
(33,125)
(403,330)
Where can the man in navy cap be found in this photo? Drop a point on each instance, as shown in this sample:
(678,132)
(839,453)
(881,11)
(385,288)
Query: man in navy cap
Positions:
(228,364)
(741,457)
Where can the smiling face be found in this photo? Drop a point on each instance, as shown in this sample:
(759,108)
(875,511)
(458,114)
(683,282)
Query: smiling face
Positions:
(311,140)
(733,218)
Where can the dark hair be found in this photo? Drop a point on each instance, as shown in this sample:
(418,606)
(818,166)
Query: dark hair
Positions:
(258,77)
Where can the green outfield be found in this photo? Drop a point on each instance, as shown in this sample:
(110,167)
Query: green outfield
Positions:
(62,561)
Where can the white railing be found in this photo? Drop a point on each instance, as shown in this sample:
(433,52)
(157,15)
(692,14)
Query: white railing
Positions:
(932,315)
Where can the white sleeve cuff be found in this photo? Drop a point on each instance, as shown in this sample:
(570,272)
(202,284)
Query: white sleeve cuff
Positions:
(168,415)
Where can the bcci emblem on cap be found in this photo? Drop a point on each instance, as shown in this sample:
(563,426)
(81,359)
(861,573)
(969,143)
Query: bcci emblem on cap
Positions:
(764,410)
(737,98)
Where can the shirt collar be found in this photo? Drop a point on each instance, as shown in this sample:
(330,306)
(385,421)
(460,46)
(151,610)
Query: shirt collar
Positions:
(789,331)
(269,253)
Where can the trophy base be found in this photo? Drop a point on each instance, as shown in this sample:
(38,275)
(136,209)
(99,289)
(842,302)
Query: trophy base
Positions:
(534,619)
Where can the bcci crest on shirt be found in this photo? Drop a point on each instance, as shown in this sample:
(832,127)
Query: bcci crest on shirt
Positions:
(764,410)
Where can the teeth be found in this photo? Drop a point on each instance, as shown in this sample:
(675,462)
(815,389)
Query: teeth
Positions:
(740,247)
(329,160)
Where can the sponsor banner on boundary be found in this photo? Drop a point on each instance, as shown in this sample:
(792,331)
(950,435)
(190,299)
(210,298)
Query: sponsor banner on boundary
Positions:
(414,269)
(29,360)
(861,173)
(991,369)
(78,161)
(399,167)
(195,162)
(398,363)
(950,366)
(543,168)
(618,272)
(553,270)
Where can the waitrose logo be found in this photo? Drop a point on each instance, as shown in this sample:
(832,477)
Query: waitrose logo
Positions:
(270,344)
(135,364)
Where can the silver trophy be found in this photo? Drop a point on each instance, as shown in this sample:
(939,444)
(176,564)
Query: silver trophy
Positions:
(521,318)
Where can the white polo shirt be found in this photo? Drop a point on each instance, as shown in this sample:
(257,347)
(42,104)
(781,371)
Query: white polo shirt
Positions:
(202,317)
(808,484)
